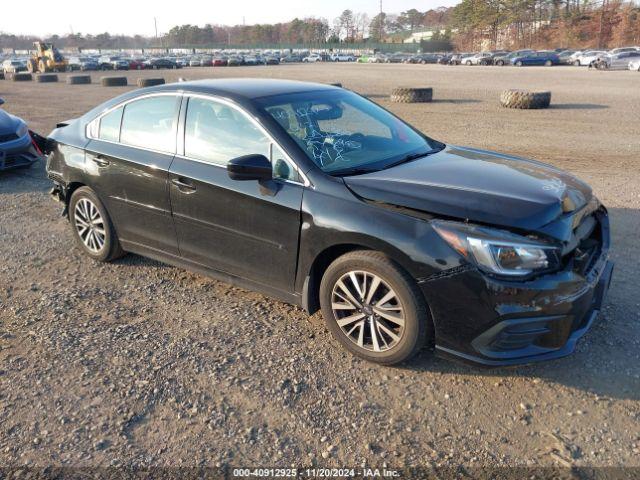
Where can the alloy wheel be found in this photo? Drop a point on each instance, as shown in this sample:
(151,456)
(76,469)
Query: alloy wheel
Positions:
(89,225)
(368,311)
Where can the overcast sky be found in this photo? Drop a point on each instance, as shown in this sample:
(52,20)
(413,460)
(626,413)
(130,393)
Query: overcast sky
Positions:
(131,16)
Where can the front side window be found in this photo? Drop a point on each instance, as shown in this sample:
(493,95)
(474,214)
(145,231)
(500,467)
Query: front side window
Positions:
(343,132)
(151,123)
(216,133)
(110,126)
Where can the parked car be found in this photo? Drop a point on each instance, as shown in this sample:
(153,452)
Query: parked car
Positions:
(120,64)
(424,58)
(402,241)
(398,57)
(618,61)
(343,57)
(291,59)
(136,64)
(502,60)
(313,58)
(586,59)
(251,60)
(159,63)
(566,57)
(546,58)
(445,59)
(475,59)
(206,61)
(195,62)
(379,58)
(219,62)
(14,66)
(106,62)
(234,61)
(634,65)
(17,148)
(271,60)
(615,51)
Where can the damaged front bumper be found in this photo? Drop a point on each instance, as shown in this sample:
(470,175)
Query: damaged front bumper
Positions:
(493,322)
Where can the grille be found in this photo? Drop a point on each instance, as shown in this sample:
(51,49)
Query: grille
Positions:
(589,238)
(7,137)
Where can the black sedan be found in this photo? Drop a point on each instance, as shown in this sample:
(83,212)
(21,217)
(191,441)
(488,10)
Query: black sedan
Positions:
(158,63)
(317,196)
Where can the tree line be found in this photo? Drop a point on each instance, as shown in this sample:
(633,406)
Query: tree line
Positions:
(472,25)
(486,24)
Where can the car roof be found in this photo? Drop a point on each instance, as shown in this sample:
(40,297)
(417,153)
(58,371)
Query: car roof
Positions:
(248,88)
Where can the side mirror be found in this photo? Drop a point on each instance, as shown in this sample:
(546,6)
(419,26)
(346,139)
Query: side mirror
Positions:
(250,167)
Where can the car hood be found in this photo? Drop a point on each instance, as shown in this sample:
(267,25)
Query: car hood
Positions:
(8,123)
(478,186)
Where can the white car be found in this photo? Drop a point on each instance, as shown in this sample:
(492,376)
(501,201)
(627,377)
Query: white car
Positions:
(474,59)
(615,51)
(342,57)
(313,58)
(635,65)
(589,57)
(13,66)
(620,61)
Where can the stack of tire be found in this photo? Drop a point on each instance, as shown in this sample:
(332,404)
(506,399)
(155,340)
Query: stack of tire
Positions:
(113,81)
(79,79)
(21,77)
(46,78)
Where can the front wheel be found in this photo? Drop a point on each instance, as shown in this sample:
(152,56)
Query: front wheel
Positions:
(92,227)
(374,308)
(518,63)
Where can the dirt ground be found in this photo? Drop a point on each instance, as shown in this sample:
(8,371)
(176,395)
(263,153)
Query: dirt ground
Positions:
(137,363)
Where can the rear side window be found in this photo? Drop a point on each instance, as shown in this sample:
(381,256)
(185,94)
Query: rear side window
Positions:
(110,126)
(151,123)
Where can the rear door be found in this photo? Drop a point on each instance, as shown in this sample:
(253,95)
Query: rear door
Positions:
(243,228)
(129,159)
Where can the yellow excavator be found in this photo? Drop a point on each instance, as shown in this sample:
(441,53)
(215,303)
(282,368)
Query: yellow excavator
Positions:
(46,58)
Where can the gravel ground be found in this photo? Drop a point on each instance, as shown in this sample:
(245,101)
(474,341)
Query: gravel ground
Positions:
(137,363)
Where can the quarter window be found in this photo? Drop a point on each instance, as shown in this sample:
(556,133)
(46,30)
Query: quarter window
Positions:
(151,123)
(110,126)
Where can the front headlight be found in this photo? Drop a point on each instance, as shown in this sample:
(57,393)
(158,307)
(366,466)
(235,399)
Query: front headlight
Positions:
(499,252)
(22,130)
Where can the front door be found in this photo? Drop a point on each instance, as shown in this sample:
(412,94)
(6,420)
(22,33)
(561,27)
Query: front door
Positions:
(242,228)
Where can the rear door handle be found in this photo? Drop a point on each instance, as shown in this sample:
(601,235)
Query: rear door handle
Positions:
(99,160)
(185,186)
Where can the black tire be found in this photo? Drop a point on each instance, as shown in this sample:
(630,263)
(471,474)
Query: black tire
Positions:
(519,63)
(79,79)
(469,63)
(548,63)
(418,327)
(149,82)
(412,95)
(500,63)
(523,99)
(21,77)
(111,248)
(46,78)
(113,81)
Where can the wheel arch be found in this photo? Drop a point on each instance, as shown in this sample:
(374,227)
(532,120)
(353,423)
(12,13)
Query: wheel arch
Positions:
(313,276)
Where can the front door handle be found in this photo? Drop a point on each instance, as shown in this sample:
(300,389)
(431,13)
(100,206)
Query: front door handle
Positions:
(185,186)
(99,160)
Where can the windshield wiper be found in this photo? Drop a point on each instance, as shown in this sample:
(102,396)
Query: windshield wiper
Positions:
(410,158)
(345,172)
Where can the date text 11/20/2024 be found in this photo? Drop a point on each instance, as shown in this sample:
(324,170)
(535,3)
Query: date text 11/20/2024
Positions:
(315,473)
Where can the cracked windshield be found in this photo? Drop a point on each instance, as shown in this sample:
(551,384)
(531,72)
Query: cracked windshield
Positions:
(344,133)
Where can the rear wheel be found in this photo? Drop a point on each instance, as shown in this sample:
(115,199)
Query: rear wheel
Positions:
(548,63)
(92,226)
(374,308)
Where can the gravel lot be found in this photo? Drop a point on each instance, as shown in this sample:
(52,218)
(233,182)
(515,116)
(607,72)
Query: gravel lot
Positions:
(140,364)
